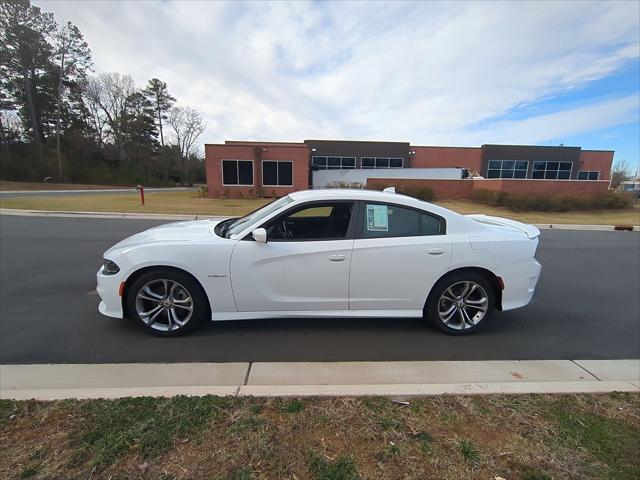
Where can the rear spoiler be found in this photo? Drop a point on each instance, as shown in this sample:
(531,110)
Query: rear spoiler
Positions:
(530,231)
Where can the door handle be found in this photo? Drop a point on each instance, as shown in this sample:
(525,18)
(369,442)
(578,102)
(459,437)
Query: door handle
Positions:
(435,251)
(337,258)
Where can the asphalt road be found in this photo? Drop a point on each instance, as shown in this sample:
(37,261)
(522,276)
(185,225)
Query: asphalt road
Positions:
(587,307)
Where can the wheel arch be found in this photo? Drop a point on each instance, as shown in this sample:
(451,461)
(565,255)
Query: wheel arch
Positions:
(489,276)
(141,271)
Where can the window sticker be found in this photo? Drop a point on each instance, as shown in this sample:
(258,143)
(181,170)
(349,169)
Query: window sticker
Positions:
(377,218)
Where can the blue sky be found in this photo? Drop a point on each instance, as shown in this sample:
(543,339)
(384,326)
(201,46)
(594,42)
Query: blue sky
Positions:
(431,73)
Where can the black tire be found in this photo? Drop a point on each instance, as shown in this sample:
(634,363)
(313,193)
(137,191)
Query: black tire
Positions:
(456,281)
(163,326)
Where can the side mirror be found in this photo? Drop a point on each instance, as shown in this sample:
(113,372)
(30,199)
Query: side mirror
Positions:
(260,235)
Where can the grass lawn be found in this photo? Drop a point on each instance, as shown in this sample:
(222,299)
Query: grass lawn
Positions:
(529,437)
(629,216)
(190,203)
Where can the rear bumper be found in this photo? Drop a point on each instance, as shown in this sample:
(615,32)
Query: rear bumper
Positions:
(520,288)
(108,288)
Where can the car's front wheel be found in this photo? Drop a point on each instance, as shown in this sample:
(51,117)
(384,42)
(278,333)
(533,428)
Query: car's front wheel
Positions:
(461,303)
(166,303)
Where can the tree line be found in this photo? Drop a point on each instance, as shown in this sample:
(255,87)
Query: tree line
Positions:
(59,120)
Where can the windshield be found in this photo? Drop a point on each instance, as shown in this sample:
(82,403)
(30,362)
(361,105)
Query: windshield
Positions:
(244,222)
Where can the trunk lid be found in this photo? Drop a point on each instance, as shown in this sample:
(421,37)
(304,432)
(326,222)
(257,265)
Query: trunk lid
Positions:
(505,224)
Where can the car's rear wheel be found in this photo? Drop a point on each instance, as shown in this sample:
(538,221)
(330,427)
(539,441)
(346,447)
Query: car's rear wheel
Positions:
(461,303)
(166,303)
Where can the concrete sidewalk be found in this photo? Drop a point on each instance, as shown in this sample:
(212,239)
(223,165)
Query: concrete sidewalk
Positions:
(49,382)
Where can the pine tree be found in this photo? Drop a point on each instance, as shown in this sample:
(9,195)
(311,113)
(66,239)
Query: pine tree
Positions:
(162,101)
(73,59)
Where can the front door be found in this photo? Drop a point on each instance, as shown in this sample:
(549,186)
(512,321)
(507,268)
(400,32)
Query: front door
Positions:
(304,266)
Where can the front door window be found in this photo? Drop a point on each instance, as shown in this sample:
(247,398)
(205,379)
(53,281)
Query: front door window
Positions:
(317,221)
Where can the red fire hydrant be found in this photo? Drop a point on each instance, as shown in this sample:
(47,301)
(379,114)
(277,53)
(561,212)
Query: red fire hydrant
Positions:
(140,188)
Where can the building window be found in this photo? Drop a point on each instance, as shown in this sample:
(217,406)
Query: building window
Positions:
(588,175)
(277,173)
(552,170)
(237,173)
(381,162)
(333,163)
(507,169)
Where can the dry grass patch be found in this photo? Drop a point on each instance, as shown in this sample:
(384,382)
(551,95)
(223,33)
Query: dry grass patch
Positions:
(183,202)
(628,216)
(191,203)
(7,185)
(516,437)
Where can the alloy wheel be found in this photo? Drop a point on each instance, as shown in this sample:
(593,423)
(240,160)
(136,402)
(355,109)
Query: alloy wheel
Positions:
(463,305)
(164,305)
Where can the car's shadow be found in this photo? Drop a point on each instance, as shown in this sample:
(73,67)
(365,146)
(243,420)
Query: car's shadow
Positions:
(322,339)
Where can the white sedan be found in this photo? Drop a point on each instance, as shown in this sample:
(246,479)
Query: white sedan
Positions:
(323,253)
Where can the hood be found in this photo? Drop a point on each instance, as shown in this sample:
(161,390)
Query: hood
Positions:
(179,232)
(505,224)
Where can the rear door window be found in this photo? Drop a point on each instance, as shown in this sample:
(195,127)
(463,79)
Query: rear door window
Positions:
(382,220)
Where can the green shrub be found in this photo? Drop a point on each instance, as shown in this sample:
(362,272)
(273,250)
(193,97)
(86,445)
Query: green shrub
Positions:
(552,203)
(421,192)
(341,184)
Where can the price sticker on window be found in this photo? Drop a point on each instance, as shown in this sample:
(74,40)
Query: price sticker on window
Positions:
(377,218)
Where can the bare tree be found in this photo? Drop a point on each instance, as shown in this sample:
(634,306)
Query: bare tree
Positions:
(187,126)
(620,172)
(95,115)
(108,93)
(10,132)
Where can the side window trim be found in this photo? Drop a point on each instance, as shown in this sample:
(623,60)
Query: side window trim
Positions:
(360,225)
(351,229)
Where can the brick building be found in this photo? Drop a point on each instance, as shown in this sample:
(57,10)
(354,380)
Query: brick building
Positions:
(273,169)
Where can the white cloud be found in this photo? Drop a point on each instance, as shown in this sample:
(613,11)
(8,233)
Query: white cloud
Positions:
(558,125)
(425,72)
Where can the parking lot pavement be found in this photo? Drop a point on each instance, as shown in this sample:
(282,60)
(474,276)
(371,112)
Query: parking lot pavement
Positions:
(587,306)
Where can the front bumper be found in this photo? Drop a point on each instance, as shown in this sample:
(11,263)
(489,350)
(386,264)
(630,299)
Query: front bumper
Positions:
(108,288)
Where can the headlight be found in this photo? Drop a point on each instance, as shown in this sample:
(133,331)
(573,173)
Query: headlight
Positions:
(109,268)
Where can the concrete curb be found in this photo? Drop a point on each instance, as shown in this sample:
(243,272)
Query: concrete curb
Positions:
(601,228)
(52,382)
(165,216)
(417,390)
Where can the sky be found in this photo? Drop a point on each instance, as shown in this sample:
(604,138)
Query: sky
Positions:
(428,73)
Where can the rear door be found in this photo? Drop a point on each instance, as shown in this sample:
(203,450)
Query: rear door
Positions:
(304,266)
(398,254)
